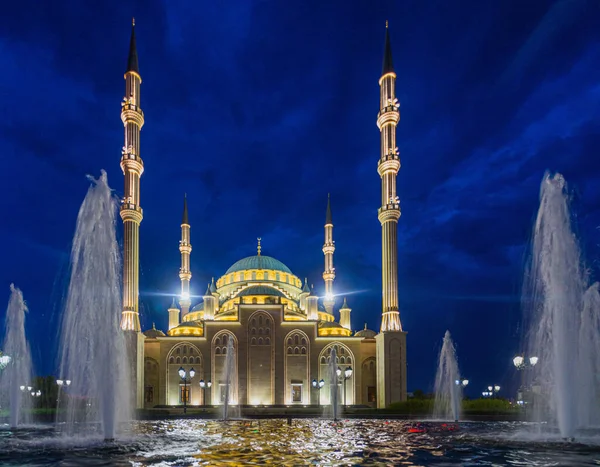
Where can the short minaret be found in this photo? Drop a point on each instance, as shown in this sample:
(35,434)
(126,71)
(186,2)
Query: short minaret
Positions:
(304,295)
(312,312)
(185,274)
(132,167)
(209,304)
(389,212)
(328,249)
(390,343)
(173,315)
(345,315)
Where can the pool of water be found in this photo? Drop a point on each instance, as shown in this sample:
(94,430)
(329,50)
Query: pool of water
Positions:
(306,442)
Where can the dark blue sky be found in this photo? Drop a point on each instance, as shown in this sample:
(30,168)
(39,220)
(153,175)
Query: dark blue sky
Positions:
(258,109)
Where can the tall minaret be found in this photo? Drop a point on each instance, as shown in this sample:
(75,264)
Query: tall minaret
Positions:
(328,249)
(133,167)
(389,212)
(184,272)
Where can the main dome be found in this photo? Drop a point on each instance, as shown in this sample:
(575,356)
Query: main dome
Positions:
(258,262)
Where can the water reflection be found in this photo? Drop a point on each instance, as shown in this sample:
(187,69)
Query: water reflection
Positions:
(305,442)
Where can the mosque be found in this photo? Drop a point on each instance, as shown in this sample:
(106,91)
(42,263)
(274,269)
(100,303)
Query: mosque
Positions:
(279,331)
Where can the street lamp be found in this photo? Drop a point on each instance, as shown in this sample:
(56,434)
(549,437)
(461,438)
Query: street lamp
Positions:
(61,383)
(461,382)
(183,376)
(318,385)
(4,361)
(347,376)
(204,385)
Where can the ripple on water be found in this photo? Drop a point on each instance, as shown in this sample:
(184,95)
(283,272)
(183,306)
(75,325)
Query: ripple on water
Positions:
(306,442)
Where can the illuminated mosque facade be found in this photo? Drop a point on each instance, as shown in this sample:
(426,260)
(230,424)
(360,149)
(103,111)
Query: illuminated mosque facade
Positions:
(281,331)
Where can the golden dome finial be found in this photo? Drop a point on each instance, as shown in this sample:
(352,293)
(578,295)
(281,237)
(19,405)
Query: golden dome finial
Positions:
(133,21)
(259,248)
(386,23)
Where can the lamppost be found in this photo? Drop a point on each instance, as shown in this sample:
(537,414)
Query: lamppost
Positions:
(318,385)
(522,363)
(493,390)
(461,382)
(204,385)
(61,383)
(183,376)
(4,361)
(347,376)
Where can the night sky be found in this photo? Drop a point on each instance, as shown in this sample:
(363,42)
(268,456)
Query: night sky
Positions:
(257,110)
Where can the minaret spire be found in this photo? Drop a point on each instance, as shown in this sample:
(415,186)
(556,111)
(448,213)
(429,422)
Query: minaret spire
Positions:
(388,63)
(132,60)
(185,274)
(328,249)
(389,212)
(184,219)
(133,168)
(259,248)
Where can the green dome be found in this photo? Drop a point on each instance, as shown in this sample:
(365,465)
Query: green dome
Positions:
(260,290)
(258,262)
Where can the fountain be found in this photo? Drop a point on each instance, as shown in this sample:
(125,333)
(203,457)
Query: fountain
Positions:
(448,387)
(334,387)
(93,353)
(230,378)
(564,315)
(17,374)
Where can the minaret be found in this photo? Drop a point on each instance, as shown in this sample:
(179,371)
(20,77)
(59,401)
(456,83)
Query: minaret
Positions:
(173,315)
(184,272)
(345,315)
(133,167)
(328,249)
(389,212)
(390,343)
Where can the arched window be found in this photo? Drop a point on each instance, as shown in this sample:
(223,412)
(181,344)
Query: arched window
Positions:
(178,351)
(218,351)
(303,351)
(303,341)
(289,351)
(323,361)
(260,341)
(253,331)
(197,360)
(218,341)
(184,350)
(178,360)
(184,360)
(260,331)
(289,341)
(297,351)
(267,341)
(267,331)
(254,301)
(260,320)
(172,360)
(253,341)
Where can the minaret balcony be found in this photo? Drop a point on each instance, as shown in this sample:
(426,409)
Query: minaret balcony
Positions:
(328,275)
(185,248)
(387,164)
(131,212)
(389,114)
(132,113)
(389,212)
(328,249)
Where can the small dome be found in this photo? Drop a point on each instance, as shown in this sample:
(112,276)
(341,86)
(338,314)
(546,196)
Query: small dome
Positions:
(260,290)
(366,333)
(154,333)
(258,262)
(198,307)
